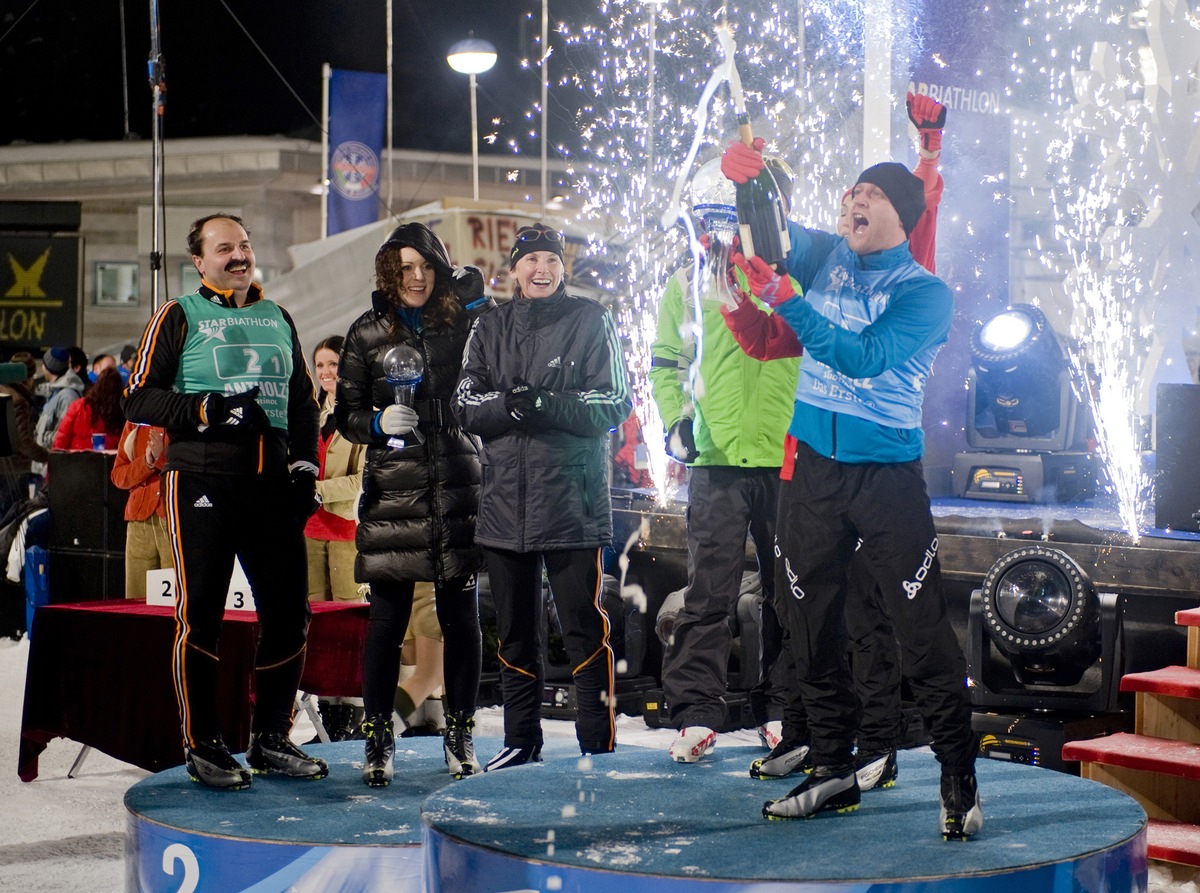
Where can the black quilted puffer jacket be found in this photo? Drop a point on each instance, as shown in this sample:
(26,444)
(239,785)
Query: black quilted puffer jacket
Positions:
(416,516)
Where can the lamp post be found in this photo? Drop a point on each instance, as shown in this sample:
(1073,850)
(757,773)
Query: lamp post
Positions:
(650,109)
(471,57)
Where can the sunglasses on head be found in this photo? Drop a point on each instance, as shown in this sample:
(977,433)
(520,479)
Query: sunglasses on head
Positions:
(538,231)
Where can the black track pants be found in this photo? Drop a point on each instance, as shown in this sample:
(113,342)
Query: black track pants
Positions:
(457,604)
(211,518)
(575,578)
(824,510)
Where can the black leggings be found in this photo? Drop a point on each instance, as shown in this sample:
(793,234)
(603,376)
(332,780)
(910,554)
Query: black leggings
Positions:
(458,614)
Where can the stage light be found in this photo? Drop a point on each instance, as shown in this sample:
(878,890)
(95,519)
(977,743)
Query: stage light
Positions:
(1040,609)
(1018,365)
(1025,425)
(1039,635)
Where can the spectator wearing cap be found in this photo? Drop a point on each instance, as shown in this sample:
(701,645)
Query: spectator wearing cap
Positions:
(128,356)
(26,449)
(64,387)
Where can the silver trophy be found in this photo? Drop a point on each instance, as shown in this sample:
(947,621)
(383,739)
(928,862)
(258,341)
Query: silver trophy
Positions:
(404,367)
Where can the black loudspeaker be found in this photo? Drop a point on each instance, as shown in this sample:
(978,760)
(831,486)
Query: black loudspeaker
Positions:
(87,511)
(77,576)
(87,527)
(1177,444)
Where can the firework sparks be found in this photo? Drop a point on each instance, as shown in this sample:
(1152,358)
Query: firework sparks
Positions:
(1119,214)
(638,141)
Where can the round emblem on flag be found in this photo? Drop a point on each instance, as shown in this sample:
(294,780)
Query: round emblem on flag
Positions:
(354,170)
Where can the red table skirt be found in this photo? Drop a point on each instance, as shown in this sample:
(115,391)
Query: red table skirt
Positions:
(100,674)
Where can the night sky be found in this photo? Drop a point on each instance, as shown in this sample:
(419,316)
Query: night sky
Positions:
(61,67)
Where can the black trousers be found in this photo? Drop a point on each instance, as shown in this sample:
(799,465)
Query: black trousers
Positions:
(575,583)
(211,518)
(457,604)
(723,504)
(874,657)
(824,510)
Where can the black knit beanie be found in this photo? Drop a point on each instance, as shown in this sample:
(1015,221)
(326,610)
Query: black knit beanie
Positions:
(903,189)
(537,237)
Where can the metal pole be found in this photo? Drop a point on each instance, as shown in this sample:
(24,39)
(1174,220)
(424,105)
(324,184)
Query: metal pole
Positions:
(326,74)
(124,69)
(545,94)
(389,106)
(474,138)
(158,103)
(650,106)
(877,82)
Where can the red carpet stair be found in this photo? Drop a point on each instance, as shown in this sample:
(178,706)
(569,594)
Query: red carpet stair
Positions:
(1159,764)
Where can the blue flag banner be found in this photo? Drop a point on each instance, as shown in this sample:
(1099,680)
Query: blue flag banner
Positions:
(357,116)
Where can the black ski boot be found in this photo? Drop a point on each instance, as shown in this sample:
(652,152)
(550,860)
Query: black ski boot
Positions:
(380,751)
(210,763)
(274,753)
(459,745)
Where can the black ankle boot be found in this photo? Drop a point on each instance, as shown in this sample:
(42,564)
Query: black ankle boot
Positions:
(340,722)
(459,745)
(380,751)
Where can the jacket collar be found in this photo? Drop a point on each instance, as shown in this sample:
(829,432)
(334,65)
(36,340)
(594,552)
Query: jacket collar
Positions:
(886,259)
(225,298)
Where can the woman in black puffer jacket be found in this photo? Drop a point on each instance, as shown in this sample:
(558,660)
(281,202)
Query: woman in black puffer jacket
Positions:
(416,517)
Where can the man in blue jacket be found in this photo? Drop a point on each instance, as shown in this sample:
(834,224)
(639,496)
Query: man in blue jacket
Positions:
(871,322)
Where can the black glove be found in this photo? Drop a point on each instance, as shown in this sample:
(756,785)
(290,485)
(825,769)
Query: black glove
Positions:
(239,411)
(302,492)
(468,286)
(524,402)
(681,442)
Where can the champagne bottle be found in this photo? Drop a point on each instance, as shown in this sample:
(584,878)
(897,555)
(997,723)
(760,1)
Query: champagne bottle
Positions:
(762,226)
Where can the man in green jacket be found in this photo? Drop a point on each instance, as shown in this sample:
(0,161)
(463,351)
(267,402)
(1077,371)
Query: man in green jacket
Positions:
(726,419)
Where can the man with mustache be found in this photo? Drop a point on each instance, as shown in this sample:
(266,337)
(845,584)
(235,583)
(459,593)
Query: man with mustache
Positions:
(223,372)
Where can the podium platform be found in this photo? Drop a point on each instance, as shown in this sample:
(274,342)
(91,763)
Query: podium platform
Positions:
(631,822)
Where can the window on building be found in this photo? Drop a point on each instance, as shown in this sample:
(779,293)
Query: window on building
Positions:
(189,277)
(116,284)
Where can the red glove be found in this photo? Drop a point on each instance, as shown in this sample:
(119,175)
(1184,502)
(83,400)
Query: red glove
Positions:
(740,163)
(769,286)
(929,117)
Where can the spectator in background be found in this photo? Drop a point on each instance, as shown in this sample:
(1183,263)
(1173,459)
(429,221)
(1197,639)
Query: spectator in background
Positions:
(64,387)
(329,534)
(101,362)
(26,449)
(79,363)
(97,414)
(128,356)
(141,457)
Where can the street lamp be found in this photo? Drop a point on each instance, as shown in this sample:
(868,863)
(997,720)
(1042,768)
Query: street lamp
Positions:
(471,57)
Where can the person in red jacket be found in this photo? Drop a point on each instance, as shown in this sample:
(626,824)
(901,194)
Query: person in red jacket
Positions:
(99,412)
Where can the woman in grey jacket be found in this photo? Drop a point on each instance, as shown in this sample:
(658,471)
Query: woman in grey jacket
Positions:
(416,517)
(543,383)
